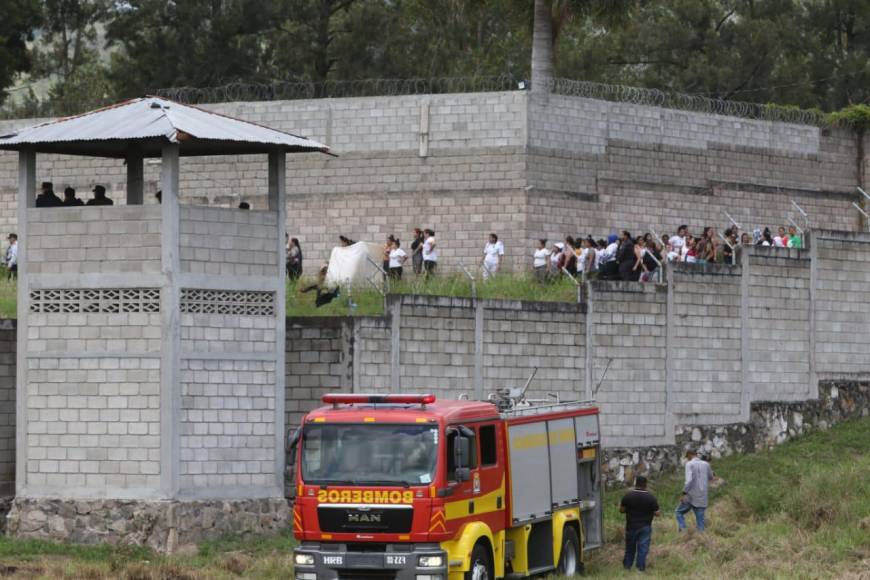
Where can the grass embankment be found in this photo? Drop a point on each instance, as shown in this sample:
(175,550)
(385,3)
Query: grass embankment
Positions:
(8,297)
(369,301)
(799,511)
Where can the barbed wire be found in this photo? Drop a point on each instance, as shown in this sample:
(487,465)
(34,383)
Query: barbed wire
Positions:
(686,102)
(293,90)
(297,90)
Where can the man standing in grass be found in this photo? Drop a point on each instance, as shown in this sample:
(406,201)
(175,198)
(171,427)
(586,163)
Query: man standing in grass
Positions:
(639,507)
(699,474)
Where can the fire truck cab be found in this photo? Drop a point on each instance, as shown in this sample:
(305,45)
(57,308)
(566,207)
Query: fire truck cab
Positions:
(407,487)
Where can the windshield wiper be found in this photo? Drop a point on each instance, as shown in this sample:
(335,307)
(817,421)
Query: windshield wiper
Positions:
(401,482)
(325,482)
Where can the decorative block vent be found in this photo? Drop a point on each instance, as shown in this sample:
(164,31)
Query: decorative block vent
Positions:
(94,300)
(240,302)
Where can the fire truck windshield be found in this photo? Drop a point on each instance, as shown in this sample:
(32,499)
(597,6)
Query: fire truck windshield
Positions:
(372,454)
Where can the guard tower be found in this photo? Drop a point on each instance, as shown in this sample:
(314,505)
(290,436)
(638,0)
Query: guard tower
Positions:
(150,339)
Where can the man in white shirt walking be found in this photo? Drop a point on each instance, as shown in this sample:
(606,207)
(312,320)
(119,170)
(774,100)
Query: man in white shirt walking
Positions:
(696,489)
(12,256)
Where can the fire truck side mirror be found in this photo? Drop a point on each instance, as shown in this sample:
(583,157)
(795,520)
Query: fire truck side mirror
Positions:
(292,446)
(462,459)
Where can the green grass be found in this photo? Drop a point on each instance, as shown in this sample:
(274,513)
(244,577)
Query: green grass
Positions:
(8,297)
(368,301)
(799,511)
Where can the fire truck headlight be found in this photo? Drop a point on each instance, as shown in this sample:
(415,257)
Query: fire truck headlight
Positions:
(304,559)
(431,561)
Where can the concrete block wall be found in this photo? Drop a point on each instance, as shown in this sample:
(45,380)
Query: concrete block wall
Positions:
(778,365)
(318,360)
(8,348)
(93,425)
(372,355)
(520,336)
(119,333)
(842,296)
(227,424)
(83,240)
(706,349)
(628,347)
(436,345)
(461,219)
(229,333)
(228,242)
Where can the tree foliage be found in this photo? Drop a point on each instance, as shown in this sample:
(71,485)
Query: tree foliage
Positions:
(808,53)
(19,19)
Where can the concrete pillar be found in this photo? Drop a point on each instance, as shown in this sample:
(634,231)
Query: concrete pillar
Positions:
(813,377)
(479,321)
(26,200)
(747,392)
(135,179)
(278,204)
(670,351)
(590,348)
(395,312)
(170,334)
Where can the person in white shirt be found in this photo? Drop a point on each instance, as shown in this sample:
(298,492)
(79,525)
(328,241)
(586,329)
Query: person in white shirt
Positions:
(780,240)
(397,259)
(12,256)
(493,253)
(542,255)
(555,255)
(430,252)
(678,241)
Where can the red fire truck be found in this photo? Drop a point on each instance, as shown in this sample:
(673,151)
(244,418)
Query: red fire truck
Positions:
(409,488)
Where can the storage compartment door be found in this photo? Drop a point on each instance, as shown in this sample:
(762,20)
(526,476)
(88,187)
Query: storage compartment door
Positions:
(563,462)
(530,471)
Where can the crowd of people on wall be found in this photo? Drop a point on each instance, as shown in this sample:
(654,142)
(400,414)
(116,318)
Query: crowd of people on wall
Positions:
(621,256)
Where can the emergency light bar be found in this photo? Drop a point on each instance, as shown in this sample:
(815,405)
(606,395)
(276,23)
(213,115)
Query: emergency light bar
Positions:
(341,398)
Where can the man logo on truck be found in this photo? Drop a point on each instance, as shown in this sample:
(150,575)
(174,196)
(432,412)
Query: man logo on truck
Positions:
(364,518)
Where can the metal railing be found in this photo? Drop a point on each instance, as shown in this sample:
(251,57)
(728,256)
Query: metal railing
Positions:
(472,279)
(861,209)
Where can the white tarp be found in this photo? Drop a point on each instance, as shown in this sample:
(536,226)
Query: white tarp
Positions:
(348,265)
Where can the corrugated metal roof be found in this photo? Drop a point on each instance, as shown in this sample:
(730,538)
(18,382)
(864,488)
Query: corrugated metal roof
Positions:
(146,123)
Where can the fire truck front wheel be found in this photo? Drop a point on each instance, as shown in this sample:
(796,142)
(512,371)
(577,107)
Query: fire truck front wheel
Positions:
(481,564)
(569,560)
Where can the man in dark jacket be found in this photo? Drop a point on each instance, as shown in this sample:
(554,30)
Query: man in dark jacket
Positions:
(70,199)
(625,256)
(100,197)
(48,198)
(639,507)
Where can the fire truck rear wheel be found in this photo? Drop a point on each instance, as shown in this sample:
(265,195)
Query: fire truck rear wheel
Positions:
(569,560)
(481,564)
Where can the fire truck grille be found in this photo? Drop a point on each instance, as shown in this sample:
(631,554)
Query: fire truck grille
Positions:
(366,574)
(367,520)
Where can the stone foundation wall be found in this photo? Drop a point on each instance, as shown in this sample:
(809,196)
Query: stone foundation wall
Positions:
(165,526)
(771,423)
